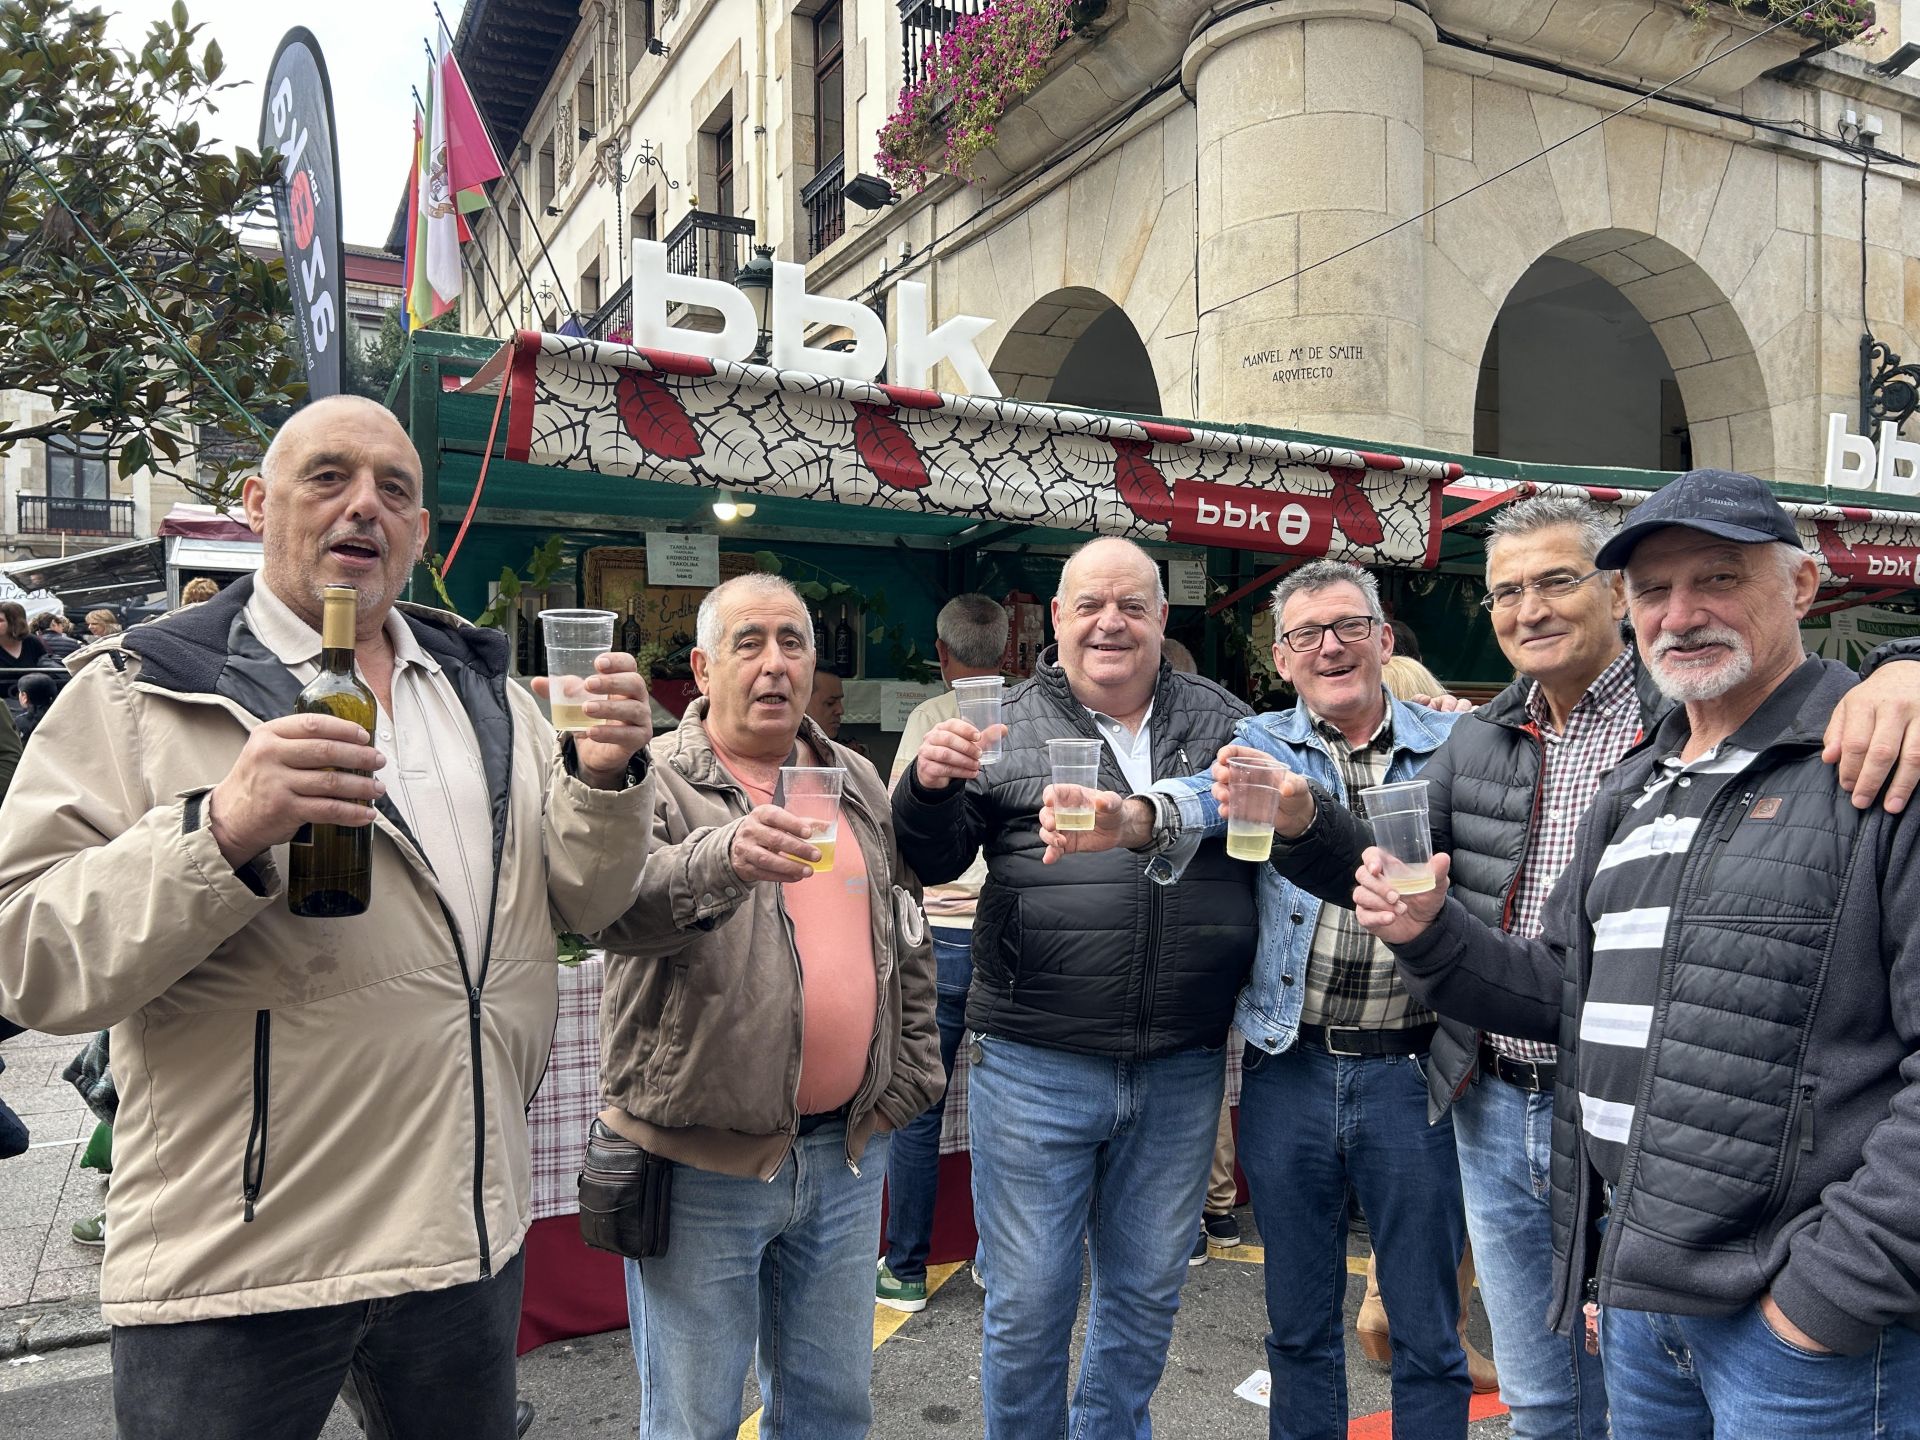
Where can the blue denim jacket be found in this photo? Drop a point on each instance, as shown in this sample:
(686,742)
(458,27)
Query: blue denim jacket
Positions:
(1268,1010)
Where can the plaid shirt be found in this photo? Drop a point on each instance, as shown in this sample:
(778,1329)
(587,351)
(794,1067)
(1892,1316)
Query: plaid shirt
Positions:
(1601,728)
(1351,977)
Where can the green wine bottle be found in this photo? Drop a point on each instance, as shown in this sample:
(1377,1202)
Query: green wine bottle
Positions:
(330,867)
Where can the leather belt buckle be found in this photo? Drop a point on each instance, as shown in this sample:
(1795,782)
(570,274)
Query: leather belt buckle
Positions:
(1328,1032)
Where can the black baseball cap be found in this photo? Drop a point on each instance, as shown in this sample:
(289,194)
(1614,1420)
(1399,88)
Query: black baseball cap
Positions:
(1733,506)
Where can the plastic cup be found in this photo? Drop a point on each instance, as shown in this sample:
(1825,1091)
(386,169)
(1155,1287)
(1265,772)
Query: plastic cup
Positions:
(1398,813)
(575,639)
(1253,804)
(813,793)
(1076,779)
(979,700)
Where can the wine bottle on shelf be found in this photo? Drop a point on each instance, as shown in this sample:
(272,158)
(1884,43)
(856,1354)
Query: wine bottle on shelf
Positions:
(822,641)
(330,867)
(843,648)
(630,638)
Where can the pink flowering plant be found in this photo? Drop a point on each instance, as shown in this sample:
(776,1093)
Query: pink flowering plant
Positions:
(1838,21)
(978,70)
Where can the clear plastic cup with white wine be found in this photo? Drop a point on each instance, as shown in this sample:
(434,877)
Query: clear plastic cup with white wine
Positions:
(1076,780)
(575,640)
(1253,804)
(813,793)
(1398,814)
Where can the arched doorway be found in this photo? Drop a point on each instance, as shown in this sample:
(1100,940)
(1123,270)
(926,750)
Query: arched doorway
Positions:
(1077,347)
(1615,348)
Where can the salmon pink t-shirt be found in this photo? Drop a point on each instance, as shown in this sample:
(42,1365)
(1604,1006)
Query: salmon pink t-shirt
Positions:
(839,988)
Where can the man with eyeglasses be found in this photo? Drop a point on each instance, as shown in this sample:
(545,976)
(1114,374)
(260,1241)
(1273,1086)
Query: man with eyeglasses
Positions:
(1333,1094)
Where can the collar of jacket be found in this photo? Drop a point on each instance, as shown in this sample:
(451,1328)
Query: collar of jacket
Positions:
(1794,715)
(1416,729)
(692,752)
(207,649)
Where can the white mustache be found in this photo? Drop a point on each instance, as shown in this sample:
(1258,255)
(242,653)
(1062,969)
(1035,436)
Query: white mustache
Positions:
(1699,635)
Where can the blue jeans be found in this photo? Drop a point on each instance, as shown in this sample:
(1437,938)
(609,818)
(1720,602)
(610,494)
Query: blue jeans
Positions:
(1311,1125)
(1732,1377)
(913,1166)
(1069,1147)
(1553,1388)
(786,1266)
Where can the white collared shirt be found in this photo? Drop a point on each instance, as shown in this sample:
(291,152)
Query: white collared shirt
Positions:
(1133,752)
(433,771)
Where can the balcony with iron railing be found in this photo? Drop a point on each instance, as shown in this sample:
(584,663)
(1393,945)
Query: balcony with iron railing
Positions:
(923,23)
(706,245)
(72,515)
(823,198)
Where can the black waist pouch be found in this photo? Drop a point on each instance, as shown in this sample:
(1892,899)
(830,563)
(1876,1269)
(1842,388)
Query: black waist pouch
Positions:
(626,1195)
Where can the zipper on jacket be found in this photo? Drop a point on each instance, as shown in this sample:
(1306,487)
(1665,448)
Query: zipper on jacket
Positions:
(253,1170)
(479,1092)
(1803,1128)
(1156,922)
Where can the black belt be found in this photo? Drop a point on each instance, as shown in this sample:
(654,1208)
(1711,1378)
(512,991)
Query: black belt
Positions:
(1534,1075)
(1352,1040)
(819,1120)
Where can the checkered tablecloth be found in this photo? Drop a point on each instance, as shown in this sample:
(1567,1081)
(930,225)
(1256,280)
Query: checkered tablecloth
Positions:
(569,1095)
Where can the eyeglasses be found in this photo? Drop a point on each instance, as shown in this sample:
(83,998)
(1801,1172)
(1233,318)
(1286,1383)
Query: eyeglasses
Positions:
(1547,587)
(1348,631)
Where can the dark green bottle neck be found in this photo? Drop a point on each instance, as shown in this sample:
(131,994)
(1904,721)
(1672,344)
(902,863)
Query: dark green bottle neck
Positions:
(337,661)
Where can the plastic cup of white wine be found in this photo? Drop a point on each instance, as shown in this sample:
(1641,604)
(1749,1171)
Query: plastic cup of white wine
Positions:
(1398,814)
(1253,804)
(1076,780)
(813,794)
(978,698)
(575,639)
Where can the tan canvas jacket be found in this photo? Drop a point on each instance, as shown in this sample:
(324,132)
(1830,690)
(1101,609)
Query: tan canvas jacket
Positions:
(700,1021)
(312,1112)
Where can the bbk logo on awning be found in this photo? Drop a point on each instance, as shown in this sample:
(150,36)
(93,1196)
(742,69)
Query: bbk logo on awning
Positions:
(1242,518)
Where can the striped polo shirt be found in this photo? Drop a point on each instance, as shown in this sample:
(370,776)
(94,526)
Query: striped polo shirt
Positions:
(1628,904)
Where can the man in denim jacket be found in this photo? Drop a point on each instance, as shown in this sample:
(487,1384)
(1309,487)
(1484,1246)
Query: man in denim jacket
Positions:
(1334,1094)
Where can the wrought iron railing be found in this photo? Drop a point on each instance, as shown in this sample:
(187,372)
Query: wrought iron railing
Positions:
(67,515)
(713,247)
(614,320)
(823,200)
(922,23)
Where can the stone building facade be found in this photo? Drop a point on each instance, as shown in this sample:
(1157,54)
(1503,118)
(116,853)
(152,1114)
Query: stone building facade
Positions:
(1226,212)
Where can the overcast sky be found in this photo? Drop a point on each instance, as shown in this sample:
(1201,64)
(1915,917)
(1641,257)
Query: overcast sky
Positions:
(373,55)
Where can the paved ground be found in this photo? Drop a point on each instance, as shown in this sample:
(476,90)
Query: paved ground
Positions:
(926,1370)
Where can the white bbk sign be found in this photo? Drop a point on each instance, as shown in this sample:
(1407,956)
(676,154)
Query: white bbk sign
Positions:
(791,312)
(1856,463)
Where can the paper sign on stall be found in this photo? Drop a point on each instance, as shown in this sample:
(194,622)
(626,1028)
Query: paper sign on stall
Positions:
(900,698)
(1186,582)
(682,559)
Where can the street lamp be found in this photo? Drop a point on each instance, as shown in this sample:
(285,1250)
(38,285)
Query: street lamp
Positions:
(756,280)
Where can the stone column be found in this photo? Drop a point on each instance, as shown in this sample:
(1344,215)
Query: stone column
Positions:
(1312,138)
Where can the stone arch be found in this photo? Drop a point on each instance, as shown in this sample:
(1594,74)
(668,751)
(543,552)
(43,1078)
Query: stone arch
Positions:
(1075,346)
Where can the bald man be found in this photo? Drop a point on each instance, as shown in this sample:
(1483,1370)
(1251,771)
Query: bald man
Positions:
(321,1165)
(1099,1008)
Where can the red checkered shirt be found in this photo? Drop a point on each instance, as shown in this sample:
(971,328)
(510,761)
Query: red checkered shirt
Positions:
(1601,728)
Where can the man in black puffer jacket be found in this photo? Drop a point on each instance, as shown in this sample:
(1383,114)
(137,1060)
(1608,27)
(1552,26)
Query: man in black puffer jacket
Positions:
(1728,970)
(1099,1007)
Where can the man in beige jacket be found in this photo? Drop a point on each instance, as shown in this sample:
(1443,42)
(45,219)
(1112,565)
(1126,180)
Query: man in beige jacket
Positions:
(320,1163)
(763,1027)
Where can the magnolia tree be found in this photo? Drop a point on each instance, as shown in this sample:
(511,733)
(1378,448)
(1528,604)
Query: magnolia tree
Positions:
(118,135)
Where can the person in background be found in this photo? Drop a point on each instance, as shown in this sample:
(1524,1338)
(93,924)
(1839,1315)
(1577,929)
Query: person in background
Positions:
(55,634)
(36,698)
(970,637)
(102,622)
(764,1027)
(1407,679)
(1099,1010)
(828,702)
(19,650)
(1179,657)
(201,587)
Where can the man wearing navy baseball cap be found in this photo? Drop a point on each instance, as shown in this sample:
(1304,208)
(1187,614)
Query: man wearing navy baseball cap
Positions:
(1731,970)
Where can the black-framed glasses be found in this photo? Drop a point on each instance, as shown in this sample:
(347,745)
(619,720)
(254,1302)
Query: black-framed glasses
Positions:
(1349,630)
(1547,587)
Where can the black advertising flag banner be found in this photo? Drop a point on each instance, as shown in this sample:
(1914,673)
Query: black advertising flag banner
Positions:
(297,120)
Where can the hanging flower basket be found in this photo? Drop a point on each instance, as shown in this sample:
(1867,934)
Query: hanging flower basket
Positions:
(982,66)
(1838,22)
